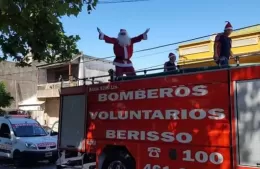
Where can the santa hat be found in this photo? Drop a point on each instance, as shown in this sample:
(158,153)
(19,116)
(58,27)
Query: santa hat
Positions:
(122,31)
(228,26)
(171,55)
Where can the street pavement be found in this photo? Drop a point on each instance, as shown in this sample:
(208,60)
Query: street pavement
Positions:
(9,165)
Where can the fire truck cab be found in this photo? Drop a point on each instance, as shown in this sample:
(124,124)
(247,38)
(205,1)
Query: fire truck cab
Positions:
(199,118)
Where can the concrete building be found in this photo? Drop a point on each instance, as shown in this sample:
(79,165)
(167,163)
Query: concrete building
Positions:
(49,82)
(20,82)
(36,88)
(245,43)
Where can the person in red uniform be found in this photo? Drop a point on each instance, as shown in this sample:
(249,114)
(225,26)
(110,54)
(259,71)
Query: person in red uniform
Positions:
(123,50)
(222,46)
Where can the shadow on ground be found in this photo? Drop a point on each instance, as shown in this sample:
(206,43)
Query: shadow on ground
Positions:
(7,164)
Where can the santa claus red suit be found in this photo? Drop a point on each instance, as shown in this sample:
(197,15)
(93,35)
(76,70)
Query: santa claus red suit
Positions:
(123,50)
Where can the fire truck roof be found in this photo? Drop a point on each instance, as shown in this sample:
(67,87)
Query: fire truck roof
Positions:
(162,74)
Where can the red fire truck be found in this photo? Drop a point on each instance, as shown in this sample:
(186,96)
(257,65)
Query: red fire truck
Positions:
(200,118)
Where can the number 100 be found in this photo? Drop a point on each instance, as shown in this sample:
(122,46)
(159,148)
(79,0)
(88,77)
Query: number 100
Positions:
(203,157)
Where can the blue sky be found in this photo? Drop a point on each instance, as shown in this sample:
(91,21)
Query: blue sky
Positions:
(169,21)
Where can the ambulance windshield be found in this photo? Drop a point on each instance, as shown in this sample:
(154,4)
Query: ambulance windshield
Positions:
(28,130)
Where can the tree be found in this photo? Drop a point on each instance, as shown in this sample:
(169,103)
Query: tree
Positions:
(5,97)
(34,27)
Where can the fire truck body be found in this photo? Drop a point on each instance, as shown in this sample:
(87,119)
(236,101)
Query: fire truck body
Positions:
(188,120)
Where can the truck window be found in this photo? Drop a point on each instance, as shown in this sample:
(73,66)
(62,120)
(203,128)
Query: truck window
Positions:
(248,122)
(5,131)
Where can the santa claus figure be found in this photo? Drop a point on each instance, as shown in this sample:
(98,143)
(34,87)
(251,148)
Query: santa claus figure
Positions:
(123,50)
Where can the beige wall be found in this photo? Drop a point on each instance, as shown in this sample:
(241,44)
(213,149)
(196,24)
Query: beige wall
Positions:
(51,112)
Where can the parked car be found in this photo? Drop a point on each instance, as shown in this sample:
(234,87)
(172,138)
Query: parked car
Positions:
(54,131)
(23,139)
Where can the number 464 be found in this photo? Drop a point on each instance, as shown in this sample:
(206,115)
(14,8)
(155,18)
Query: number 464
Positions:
(149,166)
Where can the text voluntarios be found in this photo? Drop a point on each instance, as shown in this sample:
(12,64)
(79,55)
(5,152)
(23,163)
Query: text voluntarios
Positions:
(172,114)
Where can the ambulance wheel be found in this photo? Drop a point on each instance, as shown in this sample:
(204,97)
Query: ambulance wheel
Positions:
(59,167)
(17,158)
(118,161)
(52,160)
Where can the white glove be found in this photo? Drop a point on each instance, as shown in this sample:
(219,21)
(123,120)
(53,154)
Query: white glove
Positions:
(147,30)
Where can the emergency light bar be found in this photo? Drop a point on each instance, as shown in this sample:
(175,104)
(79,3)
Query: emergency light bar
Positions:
(22,116)
(17,113)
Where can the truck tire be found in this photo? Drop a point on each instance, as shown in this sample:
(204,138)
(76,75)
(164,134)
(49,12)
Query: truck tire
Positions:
(118,160)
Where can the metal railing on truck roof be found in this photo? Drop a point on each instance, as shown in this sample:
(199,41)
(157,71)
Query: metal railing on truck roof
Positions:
(145,74)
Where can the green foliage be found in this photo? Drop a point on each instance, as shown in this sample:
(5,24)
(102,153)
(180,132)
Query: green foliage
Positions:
(5,97)
(34,27)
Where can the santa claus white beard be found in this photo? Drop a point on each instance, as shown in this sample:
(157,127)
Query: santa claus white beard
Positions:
(124,40)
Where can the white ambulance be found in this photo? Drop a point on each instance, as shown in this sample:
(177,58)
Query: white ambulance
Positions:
(24,140)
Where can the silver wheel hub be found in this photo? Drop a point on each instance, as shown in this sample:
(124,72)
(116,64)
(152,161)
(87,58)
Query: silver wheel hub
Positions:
(116,165)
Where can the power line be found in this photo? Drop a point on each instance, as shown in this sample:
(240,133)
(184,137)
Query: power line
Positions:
(147,68)
(242,55)
(147,49)
(162,46)
(171,44)
(121,1)
(150,67)
(137,57)
(87,61)
(175,43)
(152,54)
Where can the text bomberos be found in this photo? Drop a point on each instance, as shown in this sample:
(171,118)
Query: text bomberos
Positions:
(175,91)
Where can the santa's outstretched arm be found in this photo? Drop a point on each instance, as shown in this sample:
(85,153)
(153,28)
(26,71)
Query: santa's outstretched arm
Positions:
(140,37)
(107,39)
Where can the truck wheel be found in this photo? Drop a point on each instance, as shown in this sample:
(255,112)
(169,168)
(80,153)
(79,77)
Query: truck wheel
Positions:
(118,161)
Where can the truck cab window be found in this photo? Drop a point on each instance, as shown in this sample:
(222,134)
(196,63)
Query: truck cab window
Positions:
(5,131)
